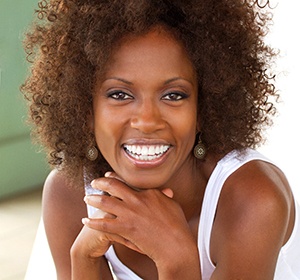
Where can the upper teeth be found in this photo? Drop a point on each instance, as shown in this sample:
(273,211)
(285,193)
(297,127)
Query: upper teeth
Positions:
(146,150)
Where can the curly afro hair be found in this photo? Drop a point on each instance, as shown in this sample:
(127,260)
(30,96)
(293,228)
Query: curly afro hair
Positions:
(71,40)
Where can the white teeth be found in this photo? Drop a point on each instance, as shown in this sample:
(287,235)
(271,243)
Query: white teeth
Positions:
(157,149)
(134,148)
(146,152)
(151,150)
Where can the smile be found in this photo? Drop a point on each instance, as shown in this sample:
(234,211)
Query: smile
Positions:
(146,152)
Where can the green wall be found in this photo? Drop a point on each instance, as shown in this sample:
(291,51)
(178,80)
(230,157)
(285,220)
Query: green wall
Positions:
(22,167)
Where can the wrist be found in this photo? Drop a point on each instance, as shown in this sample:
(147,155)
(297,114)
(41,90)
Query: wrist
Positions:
(84,267)
(184,265)
(81,250)
(88,245)
(90,268)
(78,256)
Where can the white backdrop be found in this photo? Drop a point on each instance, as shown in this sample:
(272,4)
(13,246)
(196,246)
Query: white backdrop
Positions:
(283,144)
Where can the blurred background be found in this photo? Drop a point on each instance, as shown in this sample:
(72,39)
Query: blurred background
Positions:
(23,167)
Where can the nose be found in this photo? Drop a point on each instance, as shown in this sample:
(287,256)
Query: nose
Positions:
(147,118)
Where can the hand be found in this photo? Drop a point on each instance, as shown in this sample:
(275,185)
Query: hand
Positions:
(90,243)
(147,221)
(86,252)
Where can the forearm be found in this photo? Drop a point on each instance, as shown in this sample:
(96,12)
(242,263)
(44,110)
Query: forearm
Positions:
(90,268)
(184,267)
(83,268)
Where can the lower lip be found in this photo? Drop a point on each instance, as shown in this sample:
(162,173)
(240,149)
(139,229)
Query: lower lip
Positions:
(147,163)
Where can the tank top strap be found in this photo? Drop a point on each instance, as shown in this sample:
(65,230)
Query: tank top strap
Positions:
(225,167)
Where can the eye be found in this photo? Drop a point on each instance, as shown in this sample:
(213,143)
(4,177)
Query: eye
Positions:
(174,96)
(119,95)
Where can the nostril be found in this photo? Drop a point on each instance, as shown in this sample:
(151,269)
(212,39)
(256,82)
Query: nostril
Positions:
(147,124)
(147,117)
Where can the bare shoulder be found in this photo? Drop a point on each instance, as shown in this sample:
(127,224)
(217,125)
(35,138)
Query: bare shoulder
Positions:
(63,209)
(61,198)
(57,189)
(254,220)
(259,184)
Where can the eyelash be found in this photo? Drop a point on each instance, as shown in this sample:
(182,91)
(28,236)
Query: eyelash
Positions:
(116,95)
(179,96)
(121,95)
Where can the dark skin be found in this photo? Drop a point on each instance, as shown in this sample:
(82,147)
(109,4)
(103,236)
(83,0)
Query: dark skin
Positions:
(58,198)
(155,204)
(57,193)
(253,209)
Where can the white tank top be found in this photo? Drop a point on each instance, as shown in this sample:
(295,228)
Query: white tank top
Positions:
(288,264)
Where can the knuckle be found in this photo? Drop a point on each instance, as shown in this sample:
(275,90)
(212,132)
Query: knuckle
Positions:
(104,226)
(110,186)
(109,182)
(131,229)
(137,199)
(102,184)
(102,200)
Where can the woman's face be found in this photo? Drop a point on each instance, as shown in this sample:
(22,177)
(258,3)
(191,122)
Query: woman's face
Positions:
(145,111)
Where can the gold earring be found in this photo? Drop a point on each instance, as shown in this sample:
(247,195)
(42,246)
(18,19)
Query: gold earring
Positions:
(92,153)
(200,149)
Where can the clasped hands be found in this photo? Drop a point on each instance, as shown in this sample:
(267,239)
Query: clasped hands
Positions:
(147,221)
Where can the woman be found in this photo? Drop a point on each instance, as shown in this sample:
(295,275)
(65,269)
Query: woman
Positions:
(160,104)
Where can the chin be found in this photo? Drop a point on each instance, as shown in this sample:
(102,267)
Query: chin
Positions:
(144,183)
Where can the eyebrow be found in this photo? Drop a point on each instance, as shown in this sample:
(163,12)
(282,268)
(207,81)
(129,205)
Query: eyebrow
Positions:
(176,79)
(165,83)
(119,79)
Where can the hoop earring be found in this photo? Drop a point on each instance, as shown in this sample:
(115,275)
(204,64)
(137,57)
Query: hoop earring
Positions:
(200,149)
(92,153)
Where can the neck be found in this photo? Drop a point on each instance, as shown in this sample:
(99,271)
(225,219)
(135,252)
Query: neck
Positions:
(191,184)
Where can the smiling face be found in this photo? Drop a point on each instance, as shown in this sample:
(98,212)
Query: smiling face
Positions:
(145,111)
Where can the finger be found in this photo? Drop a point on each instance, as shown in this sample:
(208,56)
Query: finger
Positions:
(113,187)
(110,174)
(96,224)
(111,226)
(114,175)
(92,224)
(100,214)
(106,204)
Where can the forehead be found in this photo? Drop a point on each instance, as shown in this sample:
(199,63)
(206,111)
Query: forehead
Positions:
(156,50)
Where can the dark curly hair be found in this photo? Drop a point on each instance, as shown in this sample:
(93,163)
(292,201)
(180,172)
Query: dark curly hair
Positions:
(71,40)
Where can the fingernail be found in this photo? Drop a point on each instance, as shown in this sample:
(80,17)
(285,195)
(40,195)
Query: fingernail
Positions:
(107,174)
(85,220)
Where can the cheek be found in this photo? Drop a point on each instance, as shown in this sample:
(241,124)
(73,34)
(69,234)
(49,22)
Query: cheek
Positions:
(101,128)
(108,133)
(105,134)
(185,126)
(106,144)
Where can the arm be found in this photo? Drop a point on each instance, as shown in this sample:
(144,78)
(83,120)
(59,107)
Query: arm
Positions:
(252,223)
(63,209)
(87,255)
(84,267)
(148,222)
